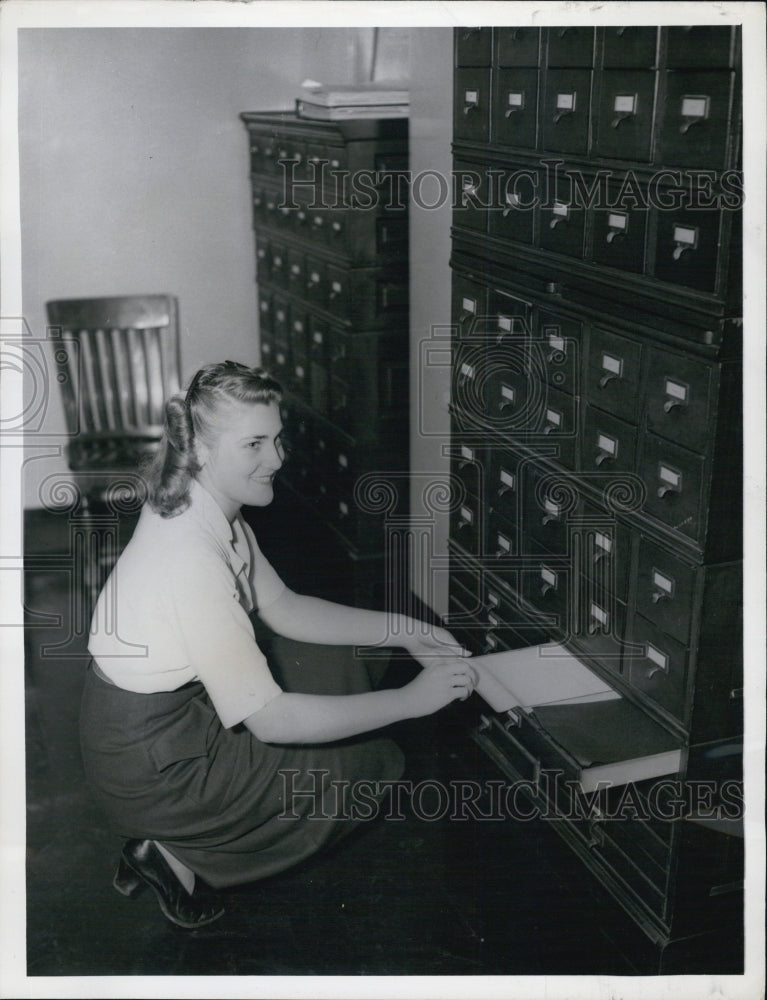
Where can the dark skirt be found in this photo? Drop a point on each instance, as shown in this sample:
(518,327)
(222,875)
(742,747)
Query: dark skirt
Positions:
(229,807)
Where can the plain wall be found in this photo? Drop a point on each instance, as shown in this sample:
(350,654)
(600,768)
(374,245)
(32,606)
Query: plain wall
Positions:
(134,175)
(431,111)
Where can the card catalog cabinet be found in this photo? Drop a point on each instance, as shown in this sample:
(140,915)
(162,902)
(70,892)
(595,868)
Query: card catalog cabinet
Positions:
(329,205)
(596,418)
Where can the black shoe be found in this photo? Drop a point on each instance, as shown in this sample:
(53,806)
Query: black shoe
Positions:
(142,864)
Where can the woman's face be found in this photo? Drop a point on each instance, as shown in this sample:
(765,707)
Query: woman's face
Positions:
(239,465)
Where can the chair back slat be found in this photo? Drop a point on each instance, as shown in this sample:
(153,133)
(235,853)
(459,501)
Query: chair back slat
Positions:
(156,402)
(106,377)
(122,379)
(91,400)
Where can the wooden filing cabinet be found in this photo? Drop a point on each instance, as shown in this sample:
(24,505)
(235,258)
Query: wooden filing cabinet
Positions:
(330,216)
(596,427)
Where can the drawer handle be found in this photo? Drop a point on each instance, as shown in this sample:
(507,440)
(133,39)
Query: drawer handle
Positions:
(679,249)
(664,490)
(554,222)
(670,403)
(658,596)
(607,378)
(491,644)
(603,457)
(615,234)
(548,518)
(470,107)
(546,588)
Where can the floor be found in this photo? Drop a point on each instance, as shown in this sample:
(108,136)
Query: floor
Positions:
(411,896)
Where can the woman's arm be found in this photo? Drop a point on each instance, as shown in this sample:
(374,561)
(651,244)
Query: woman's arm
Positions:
(312,619)
(310,718)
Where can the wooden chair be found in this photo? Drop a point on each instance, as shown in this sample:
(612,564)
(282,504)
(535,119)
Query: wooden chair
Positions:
(118,362)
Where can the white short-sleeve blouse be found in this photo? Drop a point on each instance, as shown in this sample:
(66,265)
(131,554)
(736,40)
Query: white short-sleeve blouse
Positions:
(175,609)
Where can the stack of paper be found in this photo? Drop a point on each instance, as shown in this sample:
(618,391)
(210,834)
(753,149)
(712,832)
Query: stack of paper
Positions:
(537,675)
(379,99)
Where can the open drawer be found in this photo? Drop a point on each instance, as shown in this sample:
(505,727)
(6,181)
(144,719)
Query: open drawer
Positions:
(551,713)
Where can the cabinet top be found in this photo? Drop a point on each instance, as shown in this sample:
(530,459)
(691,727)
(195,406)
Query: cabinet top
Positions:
(350,130)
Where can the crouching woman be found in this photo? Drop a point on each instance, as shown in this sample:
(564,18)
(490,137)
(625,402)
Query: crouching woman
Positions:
(187,736)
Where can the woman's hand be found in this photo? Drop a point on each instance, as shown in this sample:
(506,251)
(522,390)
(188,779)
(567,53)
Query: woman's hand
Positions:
(432,641)
(442,680)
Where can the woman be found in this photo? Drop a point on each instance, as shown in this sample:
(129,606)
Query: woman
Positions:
(214,772)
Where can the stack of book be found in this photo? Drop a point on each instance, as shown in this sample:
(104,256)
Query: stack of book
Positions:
(364,100)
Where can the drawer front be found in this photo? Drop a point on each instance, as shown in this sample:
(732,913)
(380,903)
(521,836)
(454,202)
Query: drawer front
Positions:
(467,524)
(515,107)
(279,264)
(565,113)
(624,115)
(502,611)
(614,373)
(473,46)
(695,119)
(468,391)
(601,624)
(319,365)
(630,48)
(703,46)
(508,318)
(558,351)
(665,590)
(338,299)
(502,487)
(296,266)
(619,235)
(502,544)
(512,213)
(547,586)
(471,105)
(497,735)
(263,259)
(557,421)
(469,306)
(471,207)
(674,482)
(517,46)
(299,350)
(510,399)
(467,468)
(609,444)
(571,46)
(656,665)
(550,501)
(680,399)
(562,227)
(631,869)
(315,280)
(606,550)
(687,248)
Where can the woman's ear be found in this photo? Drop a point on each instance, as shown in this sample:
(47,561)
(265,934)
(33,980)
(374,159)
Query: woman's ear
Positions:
(201,452)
